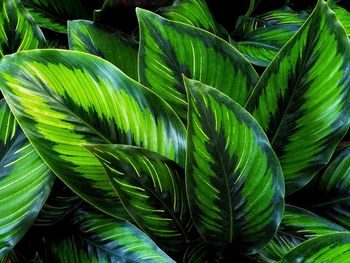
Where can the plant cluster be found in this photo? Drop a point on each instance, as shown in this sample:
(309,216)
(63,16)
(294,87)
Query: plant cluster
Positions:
(181,141)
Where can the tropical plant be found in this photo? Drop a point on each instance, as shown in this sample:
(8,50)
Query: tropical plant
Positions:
(185,140)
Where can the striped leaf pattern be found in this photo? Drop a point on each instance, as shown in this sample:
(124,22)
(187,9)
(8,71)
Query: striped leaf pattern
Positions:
(169,49)
(343,15)
(114,46)
(151,189)
(25,182)
(302,99)
(98,238)
(333,248)
(297,226)
(234,181)
(66,99)
(18,31)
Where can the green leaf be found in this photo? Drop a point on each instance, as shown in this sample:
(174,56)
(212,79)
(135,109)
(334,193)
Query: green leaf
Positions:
(169,49)
(114,46)
(297,226)
(65,99)
(343,15)
(18,30)
(99,238)
(333,248)
(54,14)
(302,99)
(233,178)
(151,190)
(60,203)
(268,33)
(25,182)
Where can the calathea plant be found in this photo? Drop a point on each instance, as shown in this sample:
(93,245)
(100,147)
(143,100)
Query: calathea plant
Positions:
(169,146)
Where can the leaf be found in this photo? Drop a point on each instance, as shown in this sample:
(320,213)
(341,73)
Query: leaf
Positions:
(268,33)
(65,99)
(60,203)
(343,15)
(116,47)
(302,99)
(234,181)
(333,248)
(18,31)
(25,182)
(297,226)
(151,190)
(169,49)
(99,238)
(54,14)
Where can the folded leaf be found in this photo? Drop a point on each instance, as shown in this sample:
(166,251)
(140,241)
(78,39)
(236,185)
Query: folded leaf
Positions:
(169,49)
(99,238)
(66,99)
(302,100)
(18,30)
(333,248)
(234,181)
(25,182)
(151,190)
(297,226)
(116,47)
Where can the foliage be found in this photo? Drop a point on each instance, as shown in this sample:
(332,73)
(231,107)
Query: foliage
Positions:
(174,138)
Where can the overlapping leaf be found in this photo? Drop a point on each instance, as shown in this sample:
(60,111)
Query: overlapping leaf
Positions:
(116,47)
(99,238)
(343,15)
(64,99)
(25,182)
(297,226)
(151,189)
(333,248)
(233,178)
(302,100)
(169,49)
(18,31)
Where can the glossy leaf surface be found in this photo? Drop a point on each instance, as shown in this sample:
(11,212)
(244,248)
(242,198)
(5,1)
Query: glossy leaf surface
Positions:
(151,189)
(66,99)
(233,178)
(302,100)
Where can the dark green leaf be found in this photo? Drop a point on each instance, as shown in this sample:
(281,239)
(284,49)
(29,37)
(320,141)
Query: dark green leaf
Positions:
(233,178)
(25,182)
(116,47)
(65,99)
(151,189)
(333,248)
(169,49)
(302,99)
(99,238)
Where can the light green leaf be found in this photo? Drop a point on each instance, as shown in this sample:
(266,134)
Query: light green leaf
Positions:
(234,181)
(302,100)
(169,49)
(98,238)
(18,31)
(114,46)
(25,182)
(151,189)
(297,226)
(65,99)
(333,248)
(343,15)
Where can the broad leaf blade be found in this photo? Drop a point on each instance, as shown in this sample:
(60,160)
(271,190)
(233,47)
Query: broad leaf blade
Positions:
(99,238)
(333,248)
(18,30)
(343,15)
(169,49)
(151,189)
(302,99)
(66,99)
(25,182)
(297,226)
(116,47)
(233,178)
